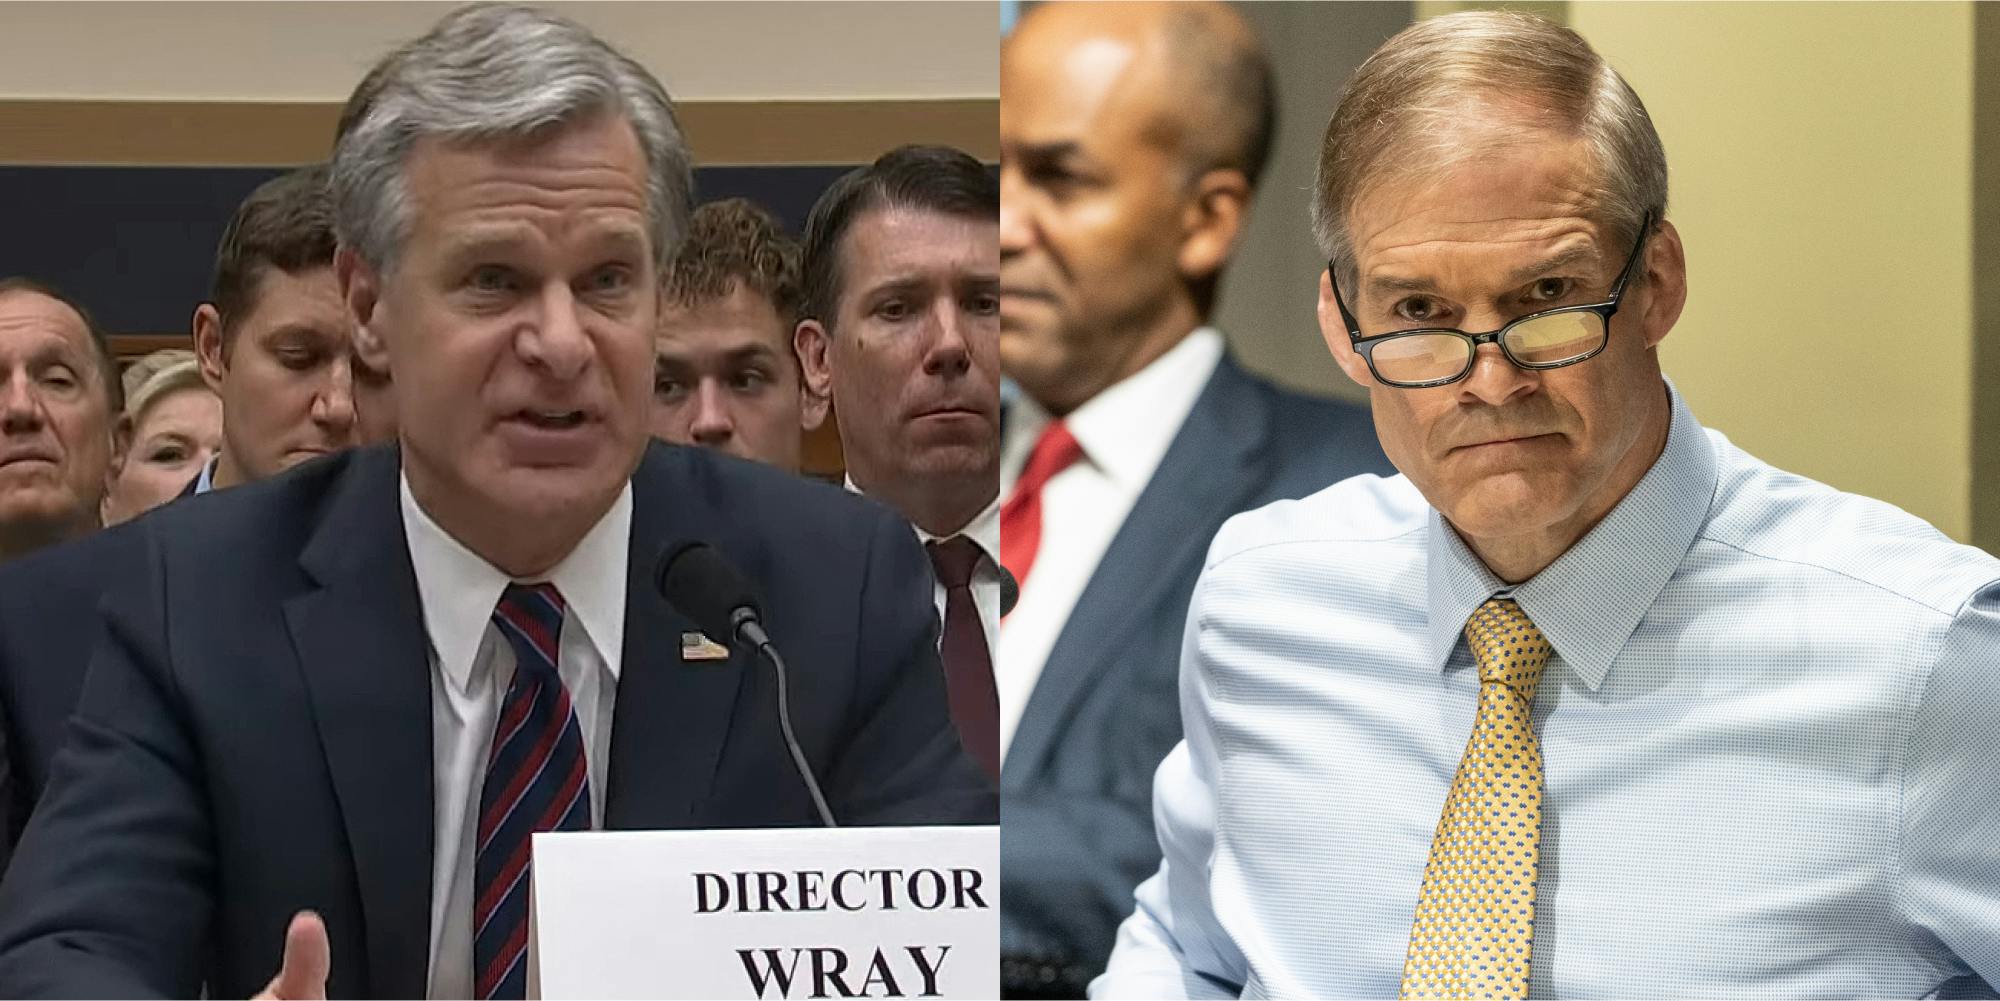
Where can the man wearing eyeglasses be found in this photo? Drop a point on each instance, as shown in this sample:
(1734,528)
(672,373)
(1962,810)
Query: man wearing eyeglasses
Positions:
(1588,702)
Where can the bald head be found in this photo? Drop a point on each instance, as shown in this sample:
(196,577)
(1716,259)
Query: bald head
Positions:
(1130,137)
(1190,77)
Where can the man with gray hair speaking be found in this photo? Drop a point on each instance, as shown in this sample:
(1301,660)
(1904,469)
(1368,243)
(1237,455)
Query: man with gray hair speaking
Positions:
(343,736)
(1587,702)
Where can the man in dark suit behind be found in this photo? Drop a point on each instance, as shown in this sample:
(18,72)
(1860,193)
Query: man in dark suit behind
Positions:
(415,658)
(1131,139)
(274,347)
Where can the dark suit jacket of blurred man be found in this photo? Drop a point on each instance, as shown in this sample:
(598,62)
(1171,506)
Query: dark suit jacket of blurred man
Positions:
(254,736)
(1078,778)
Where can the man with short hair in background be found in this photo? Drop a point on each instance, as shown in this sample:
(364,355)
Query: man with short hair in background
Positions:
(272,339)
(1132,137)
(1586,703)
(59,398)
(726,376)
(902,329)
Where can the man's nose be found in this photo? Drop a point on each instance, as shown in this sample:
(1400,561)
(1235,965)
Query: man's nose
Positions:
(949,351)
(21,409)
(333,404)
(713,424)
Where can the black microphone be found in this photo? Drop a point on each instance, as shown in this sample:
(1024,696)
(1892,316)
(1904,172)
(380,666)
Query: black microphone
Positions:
(695,579)
(1010,590)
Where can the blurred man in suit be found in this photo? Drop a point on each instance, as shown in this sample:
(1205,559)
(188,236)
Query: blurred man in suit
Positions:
(59,392)
(416,658)
(272,338)
(1131,137)
(274,345)
(1588,702)
(726,375)
(902,329)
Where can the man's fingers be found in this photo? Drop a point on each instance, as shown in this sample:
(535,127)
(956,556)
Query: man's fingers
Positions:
(308,960)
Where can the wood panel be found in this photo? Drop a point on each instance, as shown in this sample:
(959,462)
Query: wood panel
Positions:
(204,133)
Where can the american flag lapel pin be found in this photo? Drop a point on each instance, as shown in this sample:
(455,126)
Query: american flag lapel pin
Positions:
(695,646)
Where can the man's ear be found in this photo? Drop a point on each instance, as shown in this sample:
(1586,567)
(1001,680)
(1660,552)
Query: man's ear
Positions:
(814,347)
(1333,327)
(360,293)
(211,356)
(121,448)
(1666,283)
(1213,221)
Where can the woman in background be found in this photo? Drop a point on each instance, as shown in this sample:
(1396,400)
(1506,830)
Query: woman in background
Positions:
(171,427)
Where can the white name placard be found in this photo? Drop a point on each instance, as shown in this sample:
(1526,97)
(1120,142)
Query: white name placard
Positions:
(858,912)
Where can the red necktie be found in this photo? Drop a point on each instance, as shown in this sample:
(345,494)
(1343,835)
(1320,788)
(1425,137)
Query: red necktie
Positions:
(1021,515)
(968,666)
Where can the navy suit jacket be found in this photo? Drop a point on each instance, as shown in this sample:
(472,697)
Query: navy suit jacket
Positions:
(1078,778)
(48,624)
(254,734)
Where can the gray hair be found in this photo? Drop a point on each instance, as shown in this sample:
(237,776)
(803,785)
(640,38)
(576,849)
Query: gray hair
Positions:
(489,72)
(1405,109)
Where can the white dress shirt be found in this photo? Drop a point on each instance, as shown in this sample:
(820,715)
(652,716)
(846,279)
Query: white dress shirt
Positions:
(1767,732)
(471,667)
(1124,431)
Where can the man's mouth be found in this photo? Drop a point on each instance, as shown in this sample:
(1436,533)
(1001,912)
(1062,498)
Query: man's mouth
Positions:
(552,420)
(1508,440)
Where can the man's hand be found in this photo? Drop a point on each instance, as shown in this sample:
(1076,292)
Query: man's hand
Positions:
(307,961)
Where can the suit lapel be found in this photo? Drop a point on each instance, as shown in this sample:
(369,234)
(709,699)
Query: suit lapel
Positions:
(672,715)
(361,644)
(1215,465)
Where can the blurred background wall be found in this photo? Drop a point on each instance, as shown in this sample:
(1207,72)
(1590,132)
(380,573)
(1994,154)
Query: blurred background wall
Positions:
(1833,177)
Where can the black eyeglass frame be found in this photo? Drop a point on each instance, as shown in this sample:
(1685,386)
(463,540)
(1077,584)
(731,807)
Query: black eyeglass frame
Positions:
(1365,346)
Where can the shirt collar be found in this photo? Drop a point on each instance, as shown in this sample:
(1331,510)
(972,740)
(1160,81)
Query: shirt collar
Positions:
(459,589)
(1126,429)
(983,529)
(1588,602)
(206,481)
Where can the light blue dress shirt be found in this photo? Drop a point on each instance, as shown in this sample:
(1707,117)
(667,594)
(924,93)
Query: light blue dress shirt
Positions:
(206,481)
(1771,735)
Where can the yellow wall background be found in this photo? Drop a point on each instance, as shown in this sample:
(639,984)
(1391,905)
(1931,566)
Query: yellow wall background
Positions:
(1821,172)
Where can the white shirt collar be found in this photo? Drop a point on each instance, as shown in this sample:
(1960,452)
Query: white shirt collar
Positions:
(983,529)
(1126,429)
(459,589)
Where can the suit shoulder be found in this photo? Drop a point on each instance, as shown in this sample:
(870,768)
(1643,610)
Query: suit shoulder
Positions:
(64,568)
(1769,514)
(1323,436)
(1360,509)
(784,504)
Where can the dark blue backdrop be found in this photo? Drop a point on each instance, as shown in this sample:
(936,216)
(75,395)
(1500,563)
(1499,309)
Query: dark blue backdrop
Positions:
(136,244)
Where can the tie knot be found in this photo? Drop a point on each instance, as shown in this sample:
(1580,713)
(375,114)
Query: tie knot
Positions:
(1054,451)
(530,616)
(1508,647)
(954,559)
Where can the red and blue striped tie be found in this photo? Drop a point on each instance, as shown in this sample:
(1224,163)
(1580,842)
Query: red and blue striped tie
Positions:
(536,780)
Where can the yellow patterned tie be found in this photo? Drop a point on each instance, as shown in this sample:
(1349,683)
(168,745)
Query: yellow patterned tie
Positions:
(1475,917)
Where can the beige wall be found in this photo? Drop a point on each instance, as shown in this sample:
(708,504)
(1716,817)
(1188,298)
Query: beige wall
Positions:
(704,51)
(1821,159)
